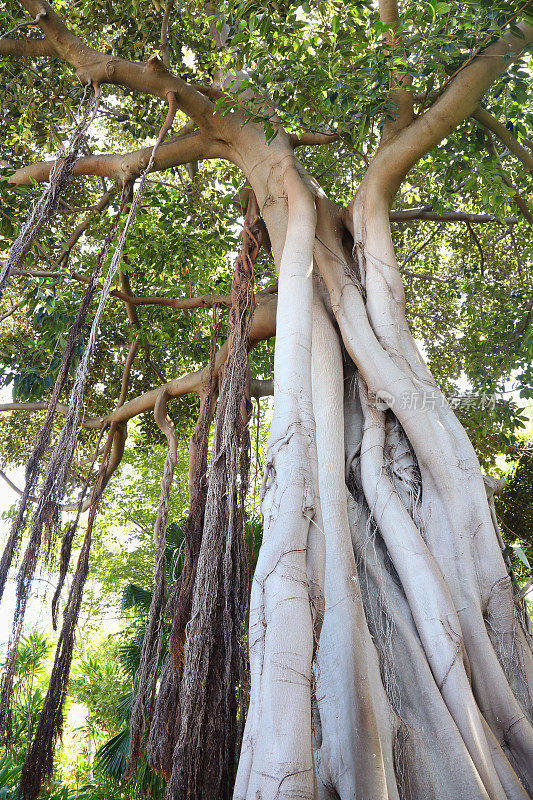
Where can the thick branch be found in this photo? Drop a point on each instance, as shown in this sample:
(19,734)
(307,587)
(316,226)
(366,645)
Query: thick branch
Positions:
(124,167)
(26,48)
(459,101)
(505,136)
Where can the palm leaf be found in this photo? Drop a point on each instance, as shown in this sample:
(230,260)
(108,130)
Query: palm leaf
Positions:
(134,596)
(112,757)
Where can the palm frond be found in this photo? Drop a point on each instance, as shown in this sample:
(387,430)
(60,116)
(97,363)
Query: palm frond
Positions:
(112,756)
(134,596)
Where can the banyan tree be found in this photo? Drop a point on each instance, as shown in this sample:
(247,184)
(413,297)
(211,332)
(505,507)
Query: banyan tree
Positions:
(381,649)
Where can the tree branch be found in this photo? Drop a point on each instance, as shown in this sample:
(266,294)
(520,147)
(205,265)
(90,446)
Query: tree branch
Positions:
(460,99)
(124,167)
(82,227)
(517,197)
(14,487)
(185,303)
(13,309)
(165,52)
(310,139)
(151,77)
(26,48)
(92,423)
(505,136)
(398,94)
(263,327)
(410,214)
(128,364)
(133,317)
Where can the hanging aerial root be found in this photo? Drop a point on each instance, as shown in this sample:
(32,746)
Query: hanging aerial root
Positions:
(45,206)
(68,537)
(55,481)
(61,459)
(58,469)
(46,507)
(151,648)
(43,438)
(39,762)
(214,672)
(165,722)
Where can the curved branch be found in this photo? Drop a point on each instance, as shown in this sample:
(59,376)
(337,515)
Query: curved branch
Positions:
(263,327)
(120,434)
(124,167)
(128,364)
(13,309)
(92,66)
(505,136)
(134,320)
(459,100)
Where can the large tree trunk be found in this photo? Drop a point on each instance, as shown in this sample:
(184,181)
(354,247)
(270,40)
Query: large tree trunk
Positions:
(420,683)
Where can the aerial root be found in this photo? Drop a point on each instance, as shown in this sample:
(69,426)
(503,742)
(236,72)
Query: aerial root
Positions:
(39,762)
(164,726)
(45,206)
(214,666)
(151,648)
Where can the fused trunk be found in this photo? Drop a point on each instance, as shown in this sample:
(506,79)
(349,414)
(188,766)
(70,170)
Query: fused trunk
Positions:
(417,681)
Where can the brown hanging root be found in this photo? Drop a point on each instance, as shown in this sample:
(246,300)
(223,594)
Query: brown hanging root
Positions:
(60,462)
(164,727)
(55,481)
(214,679)
(68,538)
(44,512)
(151,649)
(39,762)
(45,206)
(43,438)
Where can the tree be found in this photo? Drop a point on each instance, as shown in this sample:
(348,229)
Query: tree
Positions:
(388,654)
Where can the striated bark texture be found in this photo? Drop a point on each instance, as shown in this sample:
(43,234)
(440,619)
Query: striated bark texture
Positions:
(421,681)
